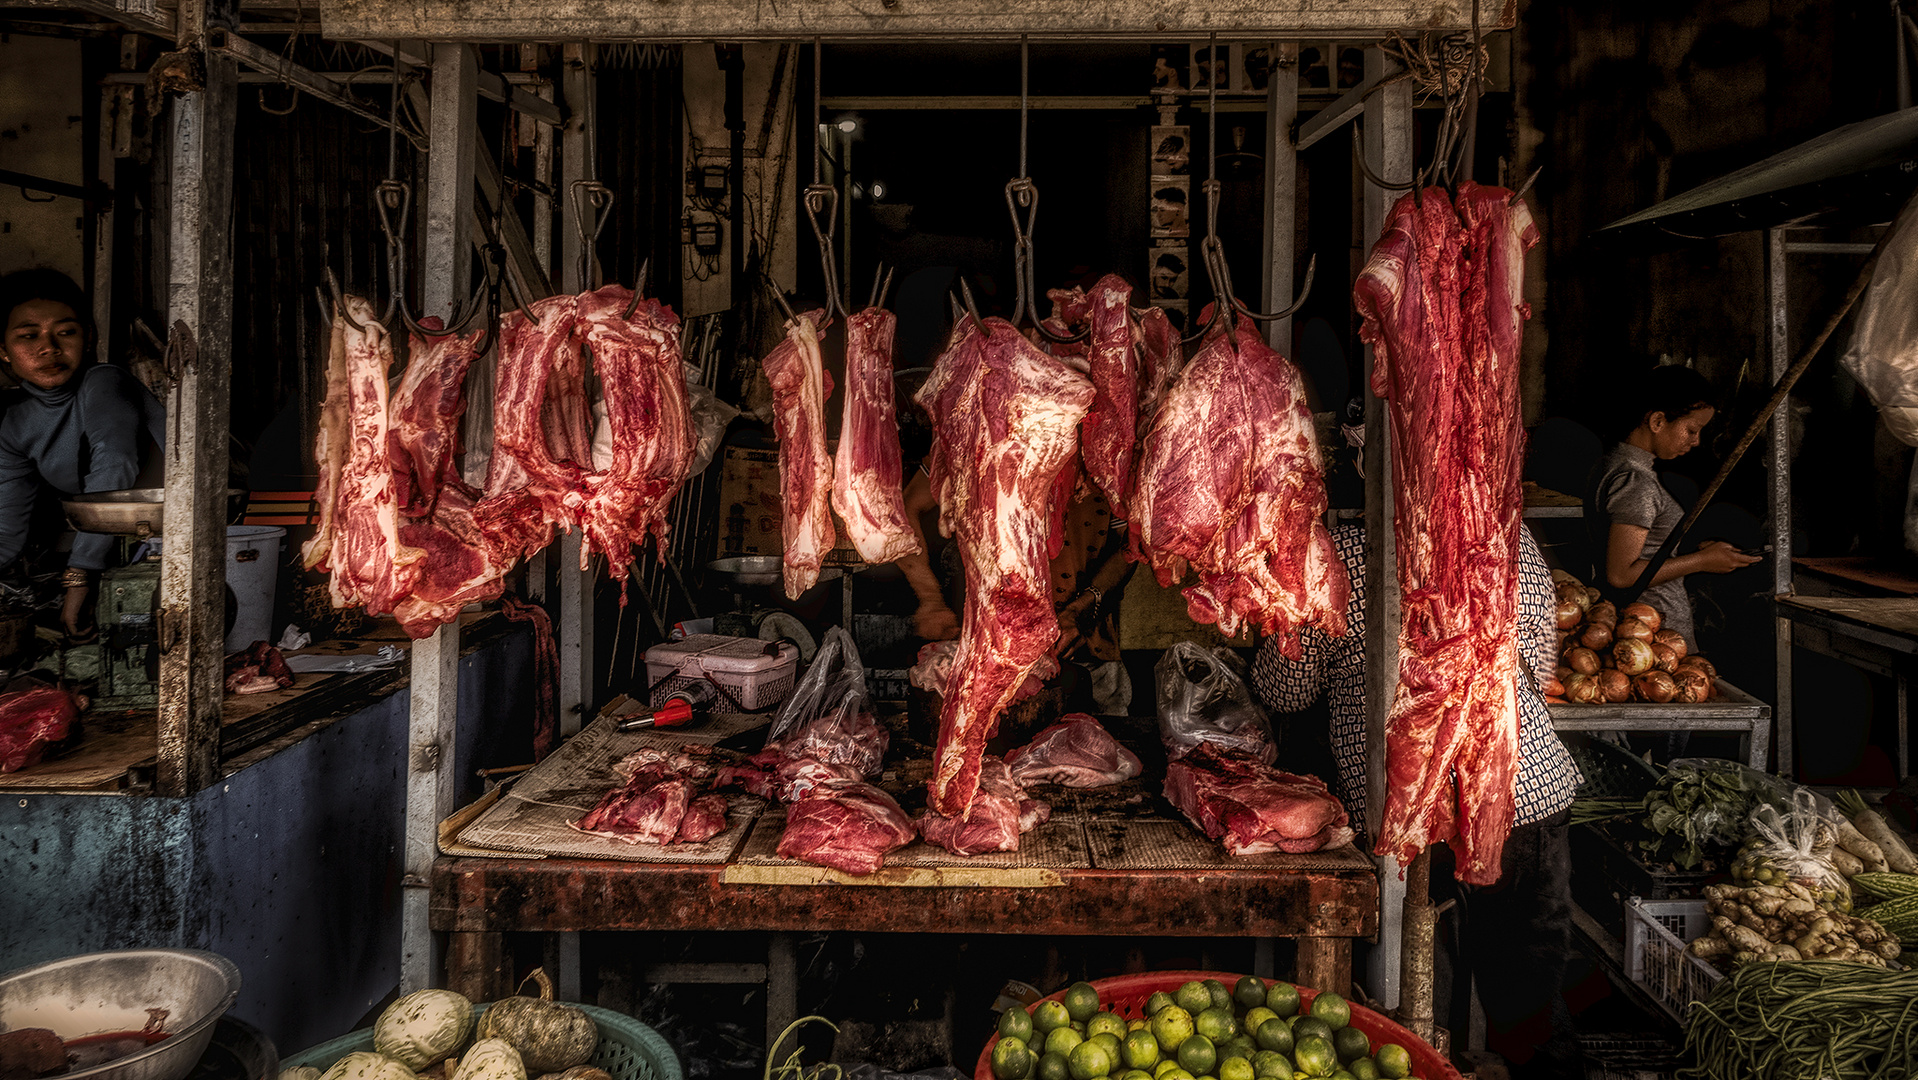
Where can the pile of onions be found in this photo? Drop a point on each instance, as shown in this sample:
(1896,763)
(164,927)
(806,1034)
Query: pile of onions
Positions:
(1608,656)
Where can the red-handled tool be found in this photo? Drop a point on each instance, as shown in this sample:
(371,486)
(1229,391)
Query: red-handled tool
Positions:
(675,712)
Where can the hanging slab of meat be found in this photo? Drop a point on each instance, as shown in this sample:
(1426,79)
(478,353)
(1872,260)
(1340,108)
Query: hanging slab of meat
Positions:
(1230,484)
(1441,299)
(638,364)
(845,824)
(330,446)
(1076,752)
(542,439)
(426,411)
(360,546)
(799,384)
(463,564)
(1108,440)
(1161,357)
(867,480)
(1005,420)
(1254,808)
(999,812)
(34,722)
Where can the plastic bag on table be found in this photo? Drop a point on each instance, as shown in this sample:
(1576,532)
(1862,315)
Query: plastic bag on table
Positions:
(1794,844)
(829,716)
(1203,698)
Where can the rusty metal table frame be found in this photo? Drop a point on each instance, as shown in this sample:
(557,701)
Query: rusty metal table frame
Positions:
(480,900)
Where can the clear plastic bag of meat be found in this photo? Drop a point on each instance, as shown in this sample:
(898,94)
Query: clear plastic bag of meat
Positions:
(1203,698)
(829,716)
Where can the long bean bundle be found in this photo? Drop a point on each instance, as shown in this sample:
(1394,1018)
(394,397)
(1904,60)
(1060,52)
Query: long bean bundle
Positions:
(1806,1021)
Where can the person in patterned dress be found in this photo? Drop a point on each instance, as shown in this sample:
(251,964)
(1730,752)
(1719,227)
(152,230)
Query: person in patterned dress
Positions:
(1515,935)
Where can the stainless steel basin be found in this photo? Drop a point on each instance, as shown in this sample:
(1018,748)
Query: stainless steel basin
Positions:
(99,993)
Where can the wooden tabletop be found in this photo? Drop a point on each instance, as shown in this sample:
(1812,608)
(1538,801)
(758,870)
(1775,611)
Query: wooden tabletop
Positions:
(1891,621)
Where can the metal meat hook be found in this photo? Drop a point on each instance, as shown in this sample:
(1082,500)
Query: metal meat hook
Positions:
(971,308)
(1219,274)
(393,199)
(1022,193)
(881,285)
(824,198)
(596,209)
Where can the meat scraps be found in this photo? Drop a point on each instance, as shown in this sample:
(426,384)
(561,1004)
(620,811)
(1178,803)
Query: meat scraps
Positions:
(660,803)
(845,824)
(1441,299)
(998,813)
(1253,807)
(31,1052)
(1230,484)
(867,490)
(1005,420)
(34,722)
(257,670)
(1076,752)
(800,388)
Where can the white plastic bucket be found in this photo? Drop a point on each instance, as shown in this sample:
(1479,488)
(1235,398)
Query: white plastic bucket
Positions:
(252,572)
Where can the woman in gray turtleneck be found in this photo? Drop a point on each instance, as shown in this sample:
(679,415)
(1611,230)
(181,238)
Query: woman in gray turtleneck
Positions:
(71,426)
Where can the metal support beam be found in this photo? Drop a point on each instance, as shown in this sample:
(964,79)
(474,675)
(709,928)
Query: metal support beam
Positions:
(158,24)
(1388,143)
(490,86)
(1281,190)
(282,69)
(433,716)
(199,308)
(1778,466)
(1344,110)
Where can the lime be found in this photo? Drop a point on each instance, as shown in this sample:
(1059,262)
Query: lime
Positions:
(1197,1055)
(1141,1050)
(1240,1045)
(1193,997)
(1351,1043)
(1332,1009)
(1221,997)
(1364,1069)
(1254,1016)
(1135,1074)
(1159,1000)
(1249,992)
(1105,1021)
(1267,1064)
(1394,1062)
(1274,1034)
(1082,1001)
(1282,998)
(1166,1065)
(1062,1040)
(1088,1061)
(1010,1058)
(1113,1048)
(1052,1067)
(1216,1024)
(1173,1073)
(1235,1068)
(1315,1056)
(1343,1074)
(1135,1024)
(1050,1015)
(1311,1025)
(1016,1023)
(1172,1026)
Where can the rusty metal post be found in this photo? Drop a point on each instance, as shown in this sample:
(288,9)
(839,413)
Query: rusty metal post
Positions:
(199,304)
(1416,967)
(1281,189)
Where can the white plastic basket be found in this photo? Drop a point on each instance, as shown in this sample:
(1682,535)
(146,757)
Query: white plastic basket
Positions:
(751,674)
(1656,933)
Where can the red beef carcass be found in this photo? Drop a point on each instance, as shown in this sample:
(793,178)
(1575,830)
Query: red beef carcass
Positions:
(1254,808)
(867,479)
(1442,301)
(800,387)
(1108,438)
(1005,420)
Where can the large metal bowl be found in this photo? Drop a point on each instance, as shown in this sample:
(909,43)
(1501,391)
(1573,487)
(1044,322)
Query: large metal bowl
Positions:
(104,992)
(759,570)
(134,512)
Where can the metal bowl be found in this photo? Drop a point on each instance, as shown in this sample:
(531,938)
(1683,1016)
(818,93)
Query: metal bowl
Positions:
(134,512)
(99,993)
(760,570)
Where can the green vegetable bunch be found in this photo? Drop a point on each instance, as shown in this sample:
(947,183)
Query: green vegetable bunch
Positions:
(1786,1020)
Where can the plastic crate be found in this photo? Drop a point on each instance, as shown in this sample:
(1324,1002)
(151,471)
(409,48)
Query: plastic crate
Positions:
(748,676)
(1126,995)
(1656,933)
(1611,771)
(627,1050)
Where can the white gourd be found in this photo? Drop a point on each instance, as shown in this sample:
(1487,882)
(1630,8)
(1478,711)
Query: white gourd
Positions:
(366,1065)
(423,1027)
(491,1059)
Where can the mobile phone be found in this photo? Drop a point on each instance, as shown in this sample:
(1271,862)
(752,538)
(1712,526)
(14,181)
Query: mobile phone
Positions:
(1759,551)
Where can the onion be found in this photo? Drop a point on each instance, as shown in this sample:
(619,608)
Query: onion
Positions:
(1655,686)
(1635,629)
(1562,576)
(1644,613)
(1615,685)
(1596,635)
(1663,658)
(1563,673)
(1568,614)
(1604,611)
(1581,690)
(1593,597)
(1694,685)
(1672,640)
(1583,661)
(1710,669)
(1632,656)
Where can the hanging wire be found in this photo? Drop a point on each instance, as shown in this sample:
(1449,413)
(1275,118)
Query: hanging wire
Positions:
(1023,195)
(823,198)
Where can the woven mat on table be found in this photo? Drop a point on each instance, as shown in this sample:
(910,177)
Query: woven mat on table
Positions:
(1057,845)
(1166,844)
(535,815)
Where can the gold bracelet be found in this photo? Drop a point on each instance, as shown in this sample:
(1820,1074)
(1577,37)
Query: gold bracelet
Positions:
(74,577)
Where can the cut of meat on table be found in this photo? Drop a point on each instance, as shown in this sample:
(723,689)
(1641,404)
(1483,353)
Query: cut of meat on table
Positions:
(257,670)
(660,803)
(1076,752)
(1442,301)
(426,411)
(800,388)
(999,812)
(845,824)
(868,489)
(1108,440)
(1253,807)
(770,774)
(1005,420)
(34,722)
(705,818)
(1230,484)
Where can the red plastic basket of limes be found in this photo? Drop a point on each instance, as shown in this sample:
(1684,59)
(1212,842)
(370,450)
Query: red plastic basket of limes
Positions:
(1216,1040)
